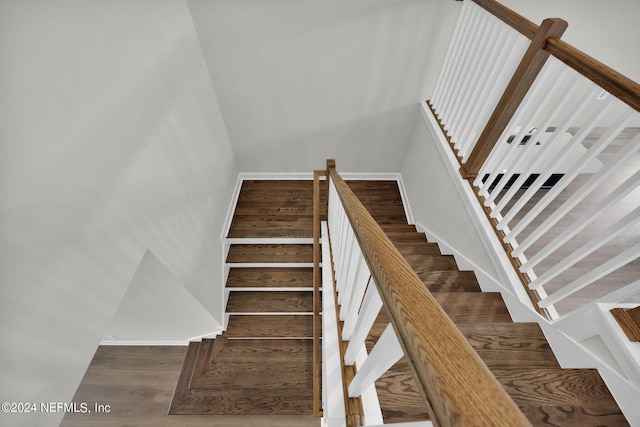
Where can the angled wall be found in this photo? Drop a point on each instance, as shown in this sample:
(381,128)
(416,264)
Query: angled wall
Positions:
(112,144)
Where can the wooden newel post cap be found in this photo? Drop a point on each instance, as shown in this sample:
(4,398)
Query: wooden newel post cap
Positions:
(331,163)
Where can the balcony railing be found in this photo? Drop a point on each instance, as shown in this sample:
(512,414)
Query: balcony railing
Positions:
(549,139)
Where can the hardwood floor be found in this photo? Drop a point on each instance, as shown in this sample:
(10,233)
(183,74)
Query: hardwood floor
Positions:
(138,383)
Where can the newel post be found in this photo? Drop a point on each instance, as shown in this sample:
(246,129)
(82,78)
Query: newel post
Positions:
(629,321)
(524,76)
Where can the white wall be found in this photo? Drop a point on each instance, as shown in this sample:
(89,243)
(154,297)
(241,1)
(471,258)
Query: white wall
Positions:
(435,202)
(112,143)
(322,79)
(158,310)
(606,30)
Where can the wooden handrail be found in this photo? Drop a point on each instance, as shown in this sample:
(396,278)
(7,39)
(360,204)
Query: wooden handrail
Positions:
(604,76)
(457,387)
(509,17)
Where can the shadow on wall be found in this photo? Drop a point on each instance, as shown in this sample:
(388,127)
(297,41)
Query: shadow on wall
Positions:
(147,167)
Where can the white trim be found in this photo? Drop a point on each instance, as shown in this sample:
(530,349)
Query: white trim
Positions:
(373,176)
(144,343)
(273,289)
(625,352)
(269,313)
(268,264)
(405,200)
(270,240)
(232,208)
(264,176)
(408,424)
(185,342)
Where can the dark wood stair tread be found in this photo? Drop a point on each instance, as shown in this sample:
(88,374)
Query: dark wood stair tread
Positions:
(398,395)
(272,277)
(555,387)
(502,345)
(275,326)
(270,302)
(244,402)
(265,253)
(450,281)
(428,263)
(566,415)
(408,248)
(463,307)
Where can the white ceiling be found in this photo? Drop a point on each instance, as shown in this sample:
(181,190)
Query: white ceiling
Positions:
(299,81)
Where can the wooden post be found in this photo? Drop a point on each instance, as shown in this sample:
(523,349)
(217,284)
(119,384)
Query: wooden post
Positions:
(524,76)
(317,282)
(629,321)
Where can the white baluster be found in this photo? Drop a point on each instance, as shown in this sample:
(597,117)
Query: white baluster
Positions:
(371,306)
(448,67)
(591,154)
(461,72)
(518,162)
(595,274)
(605,236)
(352,306)
(616,195)
(384,355)
(471,66)
(499,69)
(576,198)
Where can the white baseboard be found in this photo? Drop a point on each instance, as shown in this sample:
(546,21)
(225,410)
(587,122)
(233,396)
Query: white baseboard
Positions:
(184,342)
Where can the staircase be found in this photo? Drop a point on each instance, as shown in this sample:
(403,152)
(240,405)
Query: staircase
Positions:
(262,363)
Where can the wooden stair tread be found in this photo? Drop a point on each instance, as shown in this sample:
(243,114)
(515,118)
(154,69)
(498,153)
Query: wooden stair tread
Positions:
(265,253)
(564,415)
(398,228)
(252,376)
(402,236)
(503,345)
(245,402)
(450,281)
(408,248)
(463,307)
(428,263)
(555,387)
(269,326)
(182,387)
(270,302)
(273,277)
(398,395)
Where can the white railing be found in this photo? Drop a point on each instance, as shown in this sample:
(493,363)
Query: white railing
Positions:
(360,305)
(562,181)
(483,55)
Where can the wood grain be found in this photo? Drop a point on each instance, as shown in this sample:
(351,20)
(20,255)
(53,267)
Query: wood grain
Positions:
(259,253)
(425,331)
(530,66)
